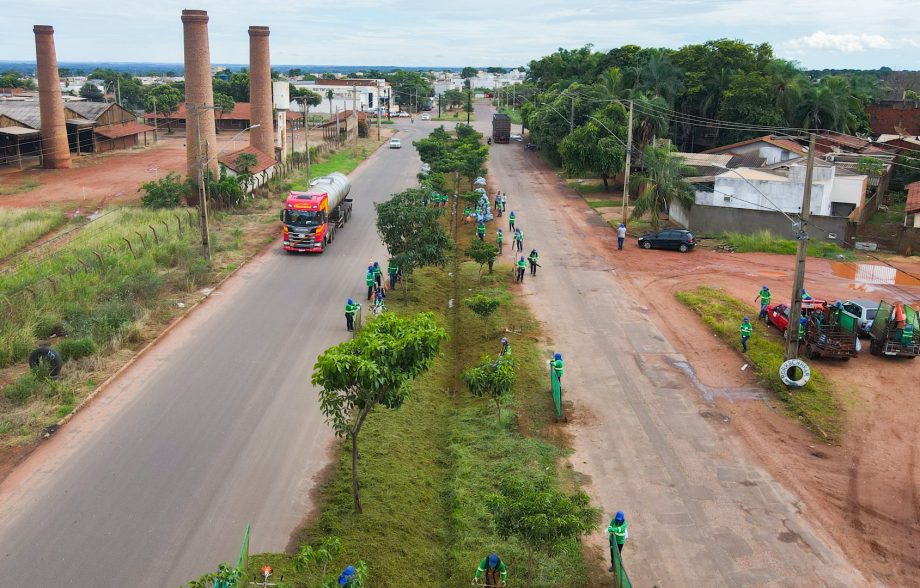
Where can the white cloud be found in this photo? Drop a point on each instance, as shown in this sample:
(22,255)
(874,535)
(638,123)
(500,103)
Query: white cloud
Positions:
(845,43)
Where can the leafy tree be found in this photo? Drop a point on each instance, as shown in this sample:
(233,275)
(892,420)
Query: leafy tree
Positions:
(660,183)
(223,104)
(239,86)
(469,72)
(229,188)
(454,98)
(309,558)
(870,166)
(497,70)
(245,161)
(165,99)
(410,87)
(660,76)
(411,232)
(492,378)
(482,253)
(596,147)
(330,94)
(91,92)
(294,72)
(828,104)
(13,79)
(750,99)
(375,368)
(542,517)
(650,119)
(483,306)
(564,66)
(167,192)
(312,98)
(786,85)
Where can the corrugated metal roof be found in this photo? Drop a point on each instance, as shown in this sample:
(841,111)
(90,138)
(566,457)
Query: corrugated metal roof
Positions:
(19,131)
(263,161)
(26,113)
(122,130)
(89,110)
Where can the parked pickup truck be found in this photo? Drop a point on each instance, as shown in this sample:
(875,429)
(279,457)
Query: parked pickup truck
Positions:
(895,331)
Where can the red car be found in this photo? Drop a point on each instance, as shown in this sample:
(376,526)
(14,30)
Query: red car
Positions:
(778,314)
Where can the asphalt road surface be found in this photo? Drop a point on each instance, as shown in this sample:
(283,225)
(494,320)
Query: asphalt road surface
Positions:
(215,427)
(700,511)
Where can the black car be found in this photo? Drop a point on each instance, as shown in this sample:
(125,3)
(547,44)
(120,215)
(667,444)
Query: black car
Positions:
(679,239)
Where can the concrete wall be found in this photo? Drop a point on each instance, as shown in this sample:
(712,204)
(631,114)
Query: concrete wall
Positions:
(718,219)
(757,194)
(772,153)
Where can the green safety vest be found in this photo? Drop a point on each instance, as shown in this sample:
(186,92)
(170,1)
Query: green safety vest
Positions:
(521,264)
(351,308)
(617,533)
(765,296)
(392,270)
(466,212)
(801,331)
(746,329)
(511,216)
(377,271)
(518,236)
(557,367)
(481,229)
(532,257)
(501,236)
(369,279)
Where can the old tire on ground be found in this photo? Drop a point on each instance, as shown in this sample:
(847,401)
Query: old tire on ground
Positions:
(646,245)
(787,373)
(683,248)
(875,348)
(45,355)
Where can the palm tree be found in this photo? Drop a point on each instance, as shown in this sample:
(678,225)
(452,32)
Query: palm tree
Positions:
(660,184)
(329,95)
(828,104)
(788,83)
(650,118)
(612,83)
(660,76)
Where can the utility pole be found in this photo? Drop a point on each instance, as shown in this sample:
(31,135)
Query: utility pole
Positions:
(354,111)
(629,142)
(338,136)
(379,101)
(798,282)
(154,98)
(572,116)
(439,105)
(118,91)
(469,105)
(306,135)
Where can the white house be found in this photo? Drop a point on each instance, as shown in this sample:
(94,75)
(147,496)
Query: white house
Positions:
(772,148)
(369,95)
(835,192)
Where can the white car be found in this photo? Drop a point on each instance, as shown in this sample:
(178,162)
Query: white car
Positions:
(401,114)
(426,116)
(395,143)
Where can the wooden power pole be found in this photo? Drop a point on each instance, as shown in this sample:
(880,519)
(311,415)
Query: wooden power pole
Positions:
(798,282)
(629,142)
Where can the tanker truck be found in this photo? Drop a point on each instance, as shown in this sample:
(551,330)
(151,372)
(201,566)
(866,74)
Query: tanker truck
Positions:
(310,219)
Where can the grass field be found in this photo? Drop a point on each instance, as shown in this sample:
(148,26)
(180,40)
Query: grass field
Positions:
(345,160)
(515,114)
(766,242)
(453,116)
(21,226)
(814,405)
(427,467)
(10,188)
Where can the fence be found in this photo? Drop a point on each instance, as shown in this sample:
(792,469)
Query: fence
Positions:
(890,237)
(620,578)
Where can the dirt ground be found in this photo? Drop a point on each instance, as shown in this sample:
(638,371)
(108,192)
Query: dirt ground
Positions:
(95,181)
(865,492)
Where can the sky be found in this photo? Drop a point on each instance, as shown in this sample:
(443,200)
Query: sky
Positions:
(817,33)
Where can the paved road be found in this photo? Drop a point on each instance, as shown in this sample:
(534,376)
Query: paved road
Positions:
(701,513)
(215,428)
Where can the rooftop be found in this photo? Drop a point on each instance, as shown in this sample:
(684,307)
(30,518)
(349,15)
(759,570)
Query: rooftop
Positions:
(122,130)
(781,142)
(263,161)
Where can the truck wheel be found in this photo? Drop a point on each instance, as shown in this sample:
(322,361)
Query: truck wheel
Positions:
(46,356)
(788,370)
(874,348)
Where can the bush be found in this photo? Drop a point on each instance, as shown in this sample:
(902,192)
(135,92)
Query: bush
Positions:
(76,348)
(482,305)
(164,193)
(26,386)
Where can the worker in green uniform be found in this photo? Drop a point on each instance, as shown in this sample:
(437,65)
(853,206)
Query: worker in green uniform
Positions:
(501,238)
(802,322)
(746,330)
(393,273)
(520,267)
(618,535)
(466,214)
(494,570)
(481,231)
(519,239)
(378,274)
(532,259)
(369,281)
(351,309)
(764,297)
(556,364)
(506,347)
(511,219)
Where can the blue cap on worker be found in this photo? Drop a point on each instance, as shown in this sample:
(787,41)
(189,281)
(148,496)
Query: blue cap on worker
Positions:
(493,560)
(349,573)
(350,301)
(746,319)
(620,516)
(557,356)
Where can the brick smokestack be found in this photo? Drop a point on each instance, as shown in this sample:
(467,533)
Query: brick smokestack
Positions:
(260,91)
(55,147)
(199,124)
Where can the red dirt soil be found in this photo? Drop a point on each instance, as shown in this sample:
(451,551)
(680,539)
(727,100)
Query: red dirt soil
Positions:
(865,492)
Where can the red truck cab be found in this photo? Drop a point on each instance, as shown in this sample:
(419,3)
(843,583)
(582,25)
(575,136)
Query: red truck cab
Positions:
(310,219)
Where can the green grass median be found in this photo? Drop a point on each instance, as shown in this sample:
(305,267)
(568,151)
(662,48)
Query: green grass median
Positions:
(814,404)
(766,242)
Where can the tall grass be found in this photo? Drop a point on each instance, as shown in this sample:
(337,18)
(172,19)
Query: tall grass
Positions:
(814,404)
(21,226)
(345,160)
(91,293)
(766,242)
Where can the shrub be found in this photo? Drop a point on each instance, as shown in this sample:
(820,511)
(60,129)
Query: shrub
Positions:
(76,348)
(27,385)
(482,305)
(164,193)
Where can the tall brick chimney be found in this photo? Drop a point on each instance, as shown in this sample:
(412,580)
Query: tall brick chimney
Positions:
(199,124)
(55,148)
(260,91)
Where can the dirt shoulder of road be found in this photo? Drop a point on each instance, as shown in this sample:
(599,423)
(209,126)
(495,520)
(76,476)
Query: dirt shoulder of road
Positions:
(865,492)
